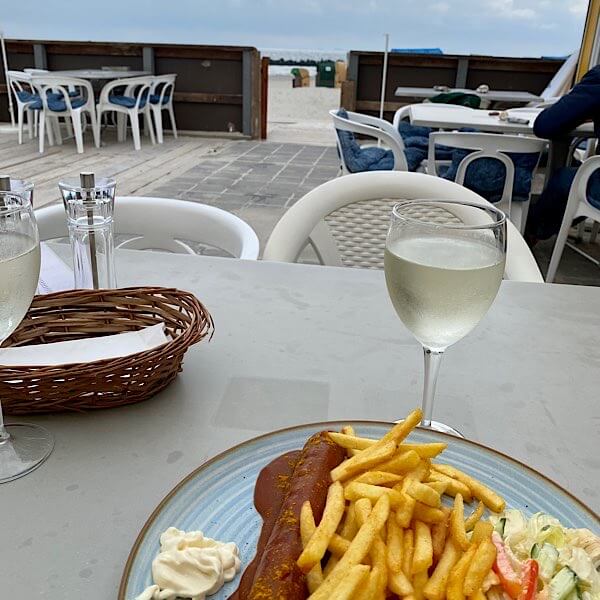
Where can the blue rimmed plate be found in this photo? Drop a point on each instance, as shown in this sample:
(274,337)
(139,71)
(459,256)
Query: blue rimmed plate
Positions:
(217,498)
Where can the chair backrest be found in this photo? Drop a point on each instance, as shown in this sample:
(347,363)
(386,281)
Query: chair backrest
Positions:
(165,224)
(486,145)
(135,87)
(578,193)
(164,87)
(346,221)
(45,85)
(404,112)
(19,81)
(379,129)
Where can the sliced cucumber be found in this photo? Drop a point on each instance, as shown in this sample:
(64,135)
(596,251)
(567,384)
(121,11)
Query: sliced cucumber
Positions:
(562,584)
(547,557)
(499,528)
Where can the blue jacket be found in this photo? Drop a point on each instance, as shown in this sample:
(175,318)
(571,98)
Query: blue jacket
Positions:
(581,104)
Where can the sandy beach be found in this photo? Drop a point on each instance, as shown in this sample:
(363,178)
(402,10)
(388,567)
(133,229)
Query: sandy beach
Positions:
(300,115)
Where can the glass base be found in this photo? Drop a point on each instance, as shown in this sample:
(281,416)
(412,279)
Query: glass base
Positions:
(442,427)
(25,450)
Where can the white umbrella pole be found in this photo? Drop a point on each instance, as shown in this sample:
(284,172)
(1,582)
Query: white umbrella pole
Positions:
(384,74)
(5,64)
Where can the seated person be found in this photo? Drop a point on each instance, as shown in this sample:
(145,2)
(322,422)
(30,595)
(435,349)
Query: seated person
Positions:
(581,104)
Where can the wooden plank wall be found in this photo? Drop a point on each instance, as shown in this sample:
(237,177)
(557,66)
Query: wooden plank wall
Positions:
(361,92)
(217,88)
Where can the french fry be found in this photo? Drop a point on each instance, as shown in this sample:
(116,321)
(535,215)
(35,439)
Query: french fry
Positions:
(480,566)
(492,500)
(401,429)
(379,478)
(438,486)
(353,442)
(435,589)
(474,517)
(333,560)
(394,544)
(454,590)
(457,523)
(439,531)
(423,493)
(349,527)
(421,471)
(332,515)
(359,548)
(364,460)
(423,549)
(356,491)
(478,595)
(401,463)
(404,513)
(362,510)
(338,545)
(314,578)
(348,430)
(482,531)
(454,485)
(419,583)
(407,551)
(428,514)
(352,580)
(425,450)
(378,574)
(399,584)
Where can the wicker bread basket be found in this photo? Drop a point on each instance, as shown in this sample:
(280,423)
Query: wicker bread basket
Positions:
(103,383)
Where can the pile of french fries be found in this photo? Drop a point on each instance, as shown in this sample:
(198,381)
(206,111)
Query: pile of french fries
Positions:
(384,529)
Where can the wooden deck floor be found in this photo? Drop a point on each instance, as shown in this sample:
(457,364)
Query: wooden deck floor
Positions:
(136,172)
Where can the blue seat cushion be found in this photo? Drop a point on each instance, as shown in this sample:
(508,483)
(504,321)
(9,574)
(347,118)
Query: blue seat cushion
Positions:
(486,176)
(25,96)
(359,159)
(155,99)
(56,102)
(127,101)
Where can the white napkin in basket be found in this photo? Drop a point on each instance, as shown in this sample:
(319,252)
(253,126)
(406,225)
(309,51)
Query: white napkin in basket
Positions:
(86,350)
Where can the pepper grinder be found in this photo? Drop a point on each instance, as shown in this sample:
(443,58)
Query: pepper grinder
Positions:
(89,205)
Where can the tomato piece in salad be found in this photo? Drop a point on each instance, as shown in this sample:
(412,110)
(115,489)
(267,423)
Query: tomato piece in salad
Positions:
(529,579)
(510,581)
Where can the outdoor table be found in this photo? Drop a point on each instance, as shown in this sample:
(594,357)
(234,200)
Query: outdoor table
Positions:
(450,117)
(296,344)
(100,74)
(511,96)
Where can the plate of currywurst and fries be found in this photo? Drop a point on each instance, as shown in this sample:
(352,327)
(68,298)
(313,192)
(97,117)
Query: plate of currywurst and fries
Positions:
(365,511)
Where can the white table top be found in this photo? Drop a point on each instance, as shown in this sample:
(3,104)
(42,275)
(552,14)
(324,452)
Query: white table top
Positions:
(441,116)
(296,344)
(100,73)
(492,95)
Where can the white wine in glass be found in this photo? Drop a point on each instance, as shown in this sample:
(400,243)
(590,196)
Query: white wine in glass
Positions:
(23,447)
(444,262)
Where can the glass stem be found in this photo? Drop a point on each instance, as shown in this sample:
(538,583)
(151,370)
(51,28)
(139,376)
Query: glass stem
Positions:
(4,435)
(433,359)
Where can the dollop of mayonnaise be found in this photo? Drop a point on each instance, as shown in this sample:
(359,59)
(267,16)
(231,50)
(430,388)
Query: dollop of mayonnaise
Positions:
(190,565)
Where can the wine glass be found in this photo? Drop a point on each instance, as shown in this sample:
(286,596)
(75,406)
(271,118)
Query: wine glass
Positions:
(23,447)
(444,261)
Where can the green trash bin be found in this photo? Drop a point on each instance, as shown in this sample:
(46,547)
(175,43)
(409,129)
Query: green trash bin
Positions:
(326,74)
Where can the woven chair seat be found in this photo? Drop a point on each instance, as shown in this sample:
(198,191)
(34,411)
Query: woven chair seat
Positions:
(360,229)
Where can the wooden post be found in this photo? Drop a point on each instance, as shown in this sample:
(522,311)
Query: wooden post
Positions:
(264,96)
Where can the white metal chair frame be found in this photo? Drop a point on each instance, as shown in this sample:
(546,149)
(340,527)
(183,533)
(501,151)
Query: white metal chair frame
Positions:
(137,88)
(165,224)
(19,81)
(64,85)
(379,129)
(304,224)
(163,86)
(496,146)
(577,206)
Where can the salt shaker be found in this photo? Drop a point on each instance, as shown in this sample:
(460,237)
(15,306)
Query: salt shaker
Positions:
(89,204)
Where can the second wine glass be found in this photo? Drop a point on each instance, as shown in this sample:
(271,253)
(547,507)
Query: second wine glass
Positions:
(444,261)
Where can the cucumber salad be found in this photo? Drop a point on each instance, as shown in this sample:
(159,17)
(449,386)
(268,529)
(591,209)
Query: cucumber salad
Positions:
(539,559)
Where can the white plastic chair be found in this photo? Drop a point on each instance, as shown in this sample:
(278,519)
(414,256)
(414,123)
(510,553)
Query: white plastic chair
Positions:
(134,101)
(165,224)
(70,98)
(379,129)
(491,145)
(27,101)
(161,98)
(346,221)
(403,113)
(577,206)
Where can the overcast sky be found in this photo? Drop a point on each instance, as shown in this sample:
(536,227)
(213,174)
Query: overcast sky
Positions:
(497,27)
